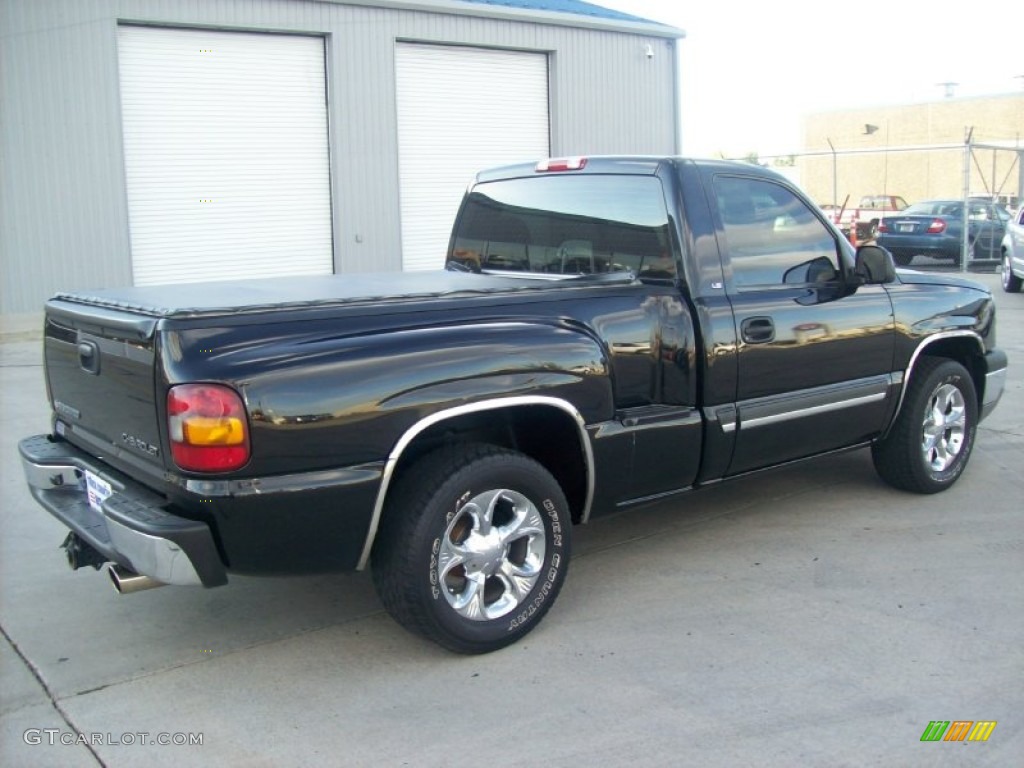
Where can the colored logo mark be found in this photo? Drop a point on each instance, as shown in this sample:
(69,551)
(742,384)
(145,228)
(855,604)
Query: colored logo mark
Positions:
(958,730)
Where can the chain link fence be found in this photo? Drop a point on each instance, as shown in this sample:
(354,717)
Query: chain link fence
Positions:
(862,187)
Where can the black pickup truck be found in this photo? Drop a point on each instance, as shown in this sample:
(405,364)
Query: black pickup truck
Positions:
(609,332)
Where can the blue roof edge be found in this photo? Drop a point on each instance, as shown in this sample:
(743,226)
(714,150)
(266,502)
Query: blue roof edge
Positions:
(573,13)
(574,7)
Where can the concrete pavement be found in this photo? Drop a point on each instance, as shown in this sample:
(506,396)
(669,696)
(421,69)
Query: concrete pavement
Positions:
(809,616)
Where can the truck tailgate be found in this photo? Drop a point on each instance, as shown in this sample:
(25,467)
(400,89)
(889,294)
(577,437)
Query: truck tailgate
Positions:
(100,374)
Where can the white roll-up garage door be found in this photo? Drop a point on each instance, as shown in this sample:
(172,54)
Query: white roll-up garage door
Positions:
(226,155)
(460,110)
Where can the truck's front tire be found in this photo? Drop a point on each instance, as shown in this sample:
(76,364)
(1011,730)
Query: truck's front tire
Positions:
(473,547)
(928,447)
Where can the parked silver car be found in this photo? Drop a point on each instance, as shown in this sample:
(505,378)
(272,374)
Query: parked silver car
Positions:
(1012,251)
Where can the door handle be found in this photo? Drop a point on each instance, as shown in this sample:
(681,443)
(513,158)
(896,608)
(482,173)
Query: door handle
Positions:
(757,330)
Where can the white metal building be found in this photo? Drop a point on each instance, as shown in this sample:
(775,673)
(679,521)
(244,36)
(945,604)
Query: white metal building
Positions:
(151,141)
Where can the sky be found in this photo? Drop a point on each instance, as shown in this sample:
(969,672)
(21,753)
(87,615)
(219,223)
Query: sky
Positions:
(752,70)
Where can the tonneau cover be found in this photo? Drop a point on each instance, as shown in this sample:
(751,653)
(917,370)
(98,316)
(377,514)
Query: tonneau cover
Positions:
(228,298)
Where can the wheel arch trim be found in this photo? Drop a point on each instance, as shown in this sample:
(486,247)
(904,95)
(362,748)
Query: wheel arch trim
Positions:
(425,423)
(908,373)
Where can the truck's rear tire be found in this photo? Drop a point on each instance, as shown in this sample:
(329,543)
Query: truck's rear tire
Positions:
(473,547)
(928,447)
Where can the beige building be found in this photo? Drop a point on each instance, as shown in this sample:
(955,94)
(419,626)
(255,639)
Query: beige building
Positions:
(915,151)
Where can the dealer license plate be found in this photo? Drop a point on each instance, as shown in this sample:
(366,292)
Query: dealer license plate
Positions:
(98,490)
(906,227)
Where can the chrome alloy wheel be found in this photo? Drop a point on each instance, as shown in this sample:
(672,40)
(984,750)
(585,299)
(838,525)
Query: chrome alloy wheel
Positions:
(491,554)
(942,435)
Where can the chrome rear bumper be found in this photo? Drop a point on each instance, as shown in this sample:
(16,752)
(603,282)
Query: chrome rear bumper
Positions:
(131,527)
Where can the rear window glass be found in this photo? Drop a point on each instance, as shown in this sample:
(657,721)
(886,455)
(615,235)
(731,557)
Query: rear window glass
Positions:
(566,225)
(883,202)
(934,209)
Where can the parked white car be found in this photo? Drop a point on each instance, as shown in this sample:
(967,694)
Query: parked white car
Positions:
(1013,253)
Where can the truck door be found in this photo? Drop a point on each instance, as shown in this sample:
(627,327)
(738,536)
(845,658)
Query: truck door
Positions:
(814,357)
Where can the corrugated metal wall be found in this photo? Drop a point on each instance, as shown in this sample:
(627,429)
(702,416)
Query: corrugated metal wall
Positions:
(63,215)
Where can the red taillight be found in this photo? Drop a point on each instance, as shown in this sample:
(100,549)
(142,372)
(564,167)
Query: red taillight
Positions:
(882,227)
(937,226)
(561,164)
(207,428)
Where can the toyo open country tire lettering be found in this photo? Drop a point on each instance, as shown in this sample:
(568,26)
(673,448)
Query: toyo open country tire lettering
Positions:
(931,441)
(473,547)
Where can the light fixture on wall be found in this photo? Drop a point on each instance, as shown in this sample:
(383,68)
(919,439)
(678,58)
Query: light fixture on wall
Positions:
(649,51)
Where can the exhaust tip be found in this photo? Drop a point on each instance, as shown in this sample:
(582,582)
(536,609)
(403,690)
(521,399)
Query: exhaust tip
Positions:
(126,581)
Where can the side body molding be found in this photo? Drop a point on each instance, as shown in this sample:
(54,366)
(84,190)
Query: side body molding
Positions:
(462,410)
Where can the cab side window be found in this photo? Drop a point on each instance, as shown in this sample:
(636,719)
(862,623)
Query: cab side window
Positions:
(772,237)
